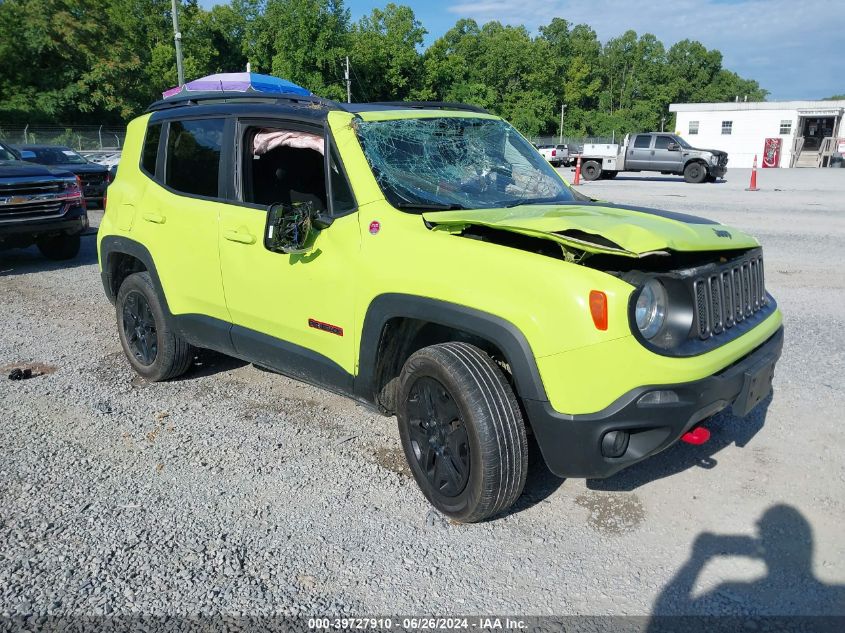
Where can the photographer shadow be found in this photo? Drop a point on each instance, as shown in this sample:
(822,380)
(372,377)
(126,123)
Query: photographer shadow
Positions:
(788,591)
(725,429)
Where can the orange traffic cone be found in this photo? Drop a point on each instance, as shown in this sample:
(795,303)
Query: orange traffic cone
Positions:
(577,180)
(753,186)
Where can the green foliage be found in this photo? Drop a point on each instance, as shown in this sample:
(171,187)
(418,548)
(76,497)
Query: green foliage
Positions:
(104,60)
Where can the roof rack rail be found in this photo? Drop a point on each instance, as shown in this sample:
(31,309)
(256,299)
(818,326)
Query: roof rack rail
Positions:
(434,105)
(227,96)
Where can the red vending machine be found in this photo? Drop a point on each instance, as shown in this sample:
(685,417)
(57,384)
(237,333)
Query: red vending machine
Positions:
(771,152)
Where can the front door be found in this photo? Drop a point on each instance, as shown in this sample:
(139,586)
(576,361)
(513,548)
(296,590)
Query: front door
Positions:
(639,153)
(291,312)
(666,159)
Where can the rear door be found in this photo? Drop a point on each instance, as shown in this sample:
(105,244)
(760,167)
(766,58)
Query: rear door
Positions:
(177,218)
(666,159)
(640,152)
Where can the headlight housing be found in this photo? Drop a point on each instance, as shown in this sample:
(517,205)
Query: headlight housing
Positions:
(651,308)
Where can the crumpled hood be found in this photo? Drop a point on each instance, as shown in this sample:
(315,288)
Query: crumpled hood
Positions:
(599,227)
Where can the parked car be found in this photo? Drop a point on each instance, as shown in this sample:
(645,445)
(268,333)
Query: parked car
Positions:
(425,259)
(39,205)
(653,151)
(557,155)
(95,178)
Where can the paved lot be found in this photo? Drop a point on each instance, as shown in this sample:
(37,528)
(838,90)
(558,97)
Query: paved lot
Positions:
(240,491)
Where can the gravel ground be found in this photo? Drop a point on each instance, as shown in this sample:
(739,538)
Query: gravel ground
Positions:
(237,491)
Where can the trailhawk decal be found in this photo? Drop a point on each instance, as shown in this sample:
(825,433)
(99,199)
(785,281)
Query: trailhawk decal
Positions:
(325,327)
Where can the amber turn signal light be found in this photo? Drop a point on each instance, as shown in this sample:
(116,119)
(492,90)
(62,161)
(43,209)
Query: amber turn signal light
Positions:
(598,308)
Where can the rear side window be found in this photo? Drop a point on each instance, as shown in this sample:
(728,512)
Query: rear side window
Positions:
(150,151)
(642,142)
(193,156)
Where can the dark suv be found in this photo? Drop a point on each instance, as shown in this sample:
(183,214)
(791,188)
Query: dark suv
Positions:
(40,205)
(95,178)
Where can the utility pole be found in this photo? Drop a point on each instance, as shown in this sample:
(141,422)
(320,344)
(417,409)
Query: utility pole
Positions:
(177,38)
(562,109)
(348,83)
(662,122)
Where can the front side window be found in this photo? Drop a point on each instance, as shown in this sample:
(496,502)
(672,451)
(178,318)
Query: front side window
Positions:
(193,156)
(727,127)
(693,127)
(457,163)
(149,153)
(643,141)
(786,127)
(662,142)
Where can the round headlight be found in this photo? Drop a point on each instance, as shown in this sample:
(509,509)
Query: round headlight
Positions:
(650,311)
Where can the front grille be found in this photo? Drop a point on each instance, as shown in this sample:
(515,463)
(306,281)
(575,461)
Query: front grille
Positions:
(728,296)
(30,198)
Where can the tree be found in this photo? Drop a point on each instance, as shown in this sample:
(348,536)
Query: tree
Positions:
(384,51)
(304,41)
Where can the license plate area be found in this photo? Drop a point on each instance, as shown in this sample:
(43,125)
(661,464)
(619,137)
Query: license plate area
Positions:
(757,384)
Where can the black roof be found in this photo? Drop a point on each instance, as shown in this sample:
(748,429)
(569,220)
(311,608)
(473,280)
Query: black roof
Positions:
(314,108)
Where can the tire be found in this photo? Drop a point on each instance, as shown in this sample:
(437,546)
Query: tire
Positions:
(153,349)
(591,170)
(695,173)
(462,431)
(59,247)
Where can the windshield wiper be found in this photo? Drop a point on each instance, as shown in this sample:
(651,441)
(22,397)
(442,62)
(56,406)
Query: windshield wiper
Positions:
(517,203)
(431,206)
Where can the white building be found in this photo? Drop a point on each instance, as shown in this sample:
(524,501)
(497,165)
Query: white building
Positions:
(741,129)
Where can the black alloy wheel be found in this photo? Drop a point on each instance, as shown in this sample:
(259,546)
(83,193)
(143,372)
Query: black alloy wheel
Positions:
(438,437)
(139,328)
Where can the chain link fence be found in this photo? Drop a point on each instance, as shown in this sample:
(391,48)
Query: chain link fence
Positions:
(79,137)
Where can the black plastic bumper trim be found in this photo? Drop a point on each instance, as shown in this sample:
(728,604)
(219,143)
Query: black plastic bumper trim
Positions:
(571,444)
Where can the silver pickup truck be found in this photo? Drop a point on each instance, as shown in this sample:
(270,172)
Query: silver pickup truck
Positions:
(653,151)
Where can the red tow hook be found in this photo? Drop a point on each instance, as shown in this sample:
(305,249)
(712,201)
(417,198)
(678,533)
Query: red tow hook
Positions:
(699,435)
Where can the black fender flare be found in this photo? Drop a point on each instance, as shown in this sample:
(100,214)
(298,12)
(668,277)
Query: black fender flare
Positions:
(504,334)
(115,244)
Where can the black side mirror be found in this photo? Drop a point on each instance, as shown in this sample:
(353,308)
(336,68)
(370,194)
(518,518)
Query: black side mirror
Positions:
(672,147)
(290,227)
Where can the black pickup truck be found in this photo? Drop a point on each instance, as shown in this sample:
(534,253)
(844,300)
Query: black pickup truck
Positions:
(40,205)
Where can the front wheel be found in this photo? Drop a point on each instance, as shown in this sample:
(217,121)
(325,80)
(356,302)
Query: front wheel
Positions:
(695,173)
(591,170)
(59,247)
(462,431)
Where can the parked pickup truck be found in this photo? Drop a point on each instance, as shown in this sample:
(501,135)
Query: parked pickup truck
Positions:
(40,205)
(557,155)
(653,151)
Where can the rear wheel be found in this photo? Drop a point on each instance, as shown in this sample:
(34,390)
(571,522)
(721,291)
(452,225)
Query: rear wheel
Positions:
(153,349)
(695,173)
(590,170)
(59,247)
(462,431)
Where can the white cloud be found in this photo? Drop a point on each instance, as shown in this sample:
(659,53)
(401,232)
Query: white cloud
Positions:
(793,48)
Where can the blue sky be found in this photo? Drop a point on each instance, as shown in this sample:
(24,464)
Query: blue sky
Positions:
(794,48)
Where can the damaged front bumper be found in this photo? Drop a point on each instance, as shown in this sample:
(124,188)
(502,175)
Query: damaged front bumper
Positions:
(578,446)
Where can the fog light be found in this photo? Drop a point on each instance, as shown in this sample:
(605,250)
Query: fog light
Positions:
(615,443)
(657,398)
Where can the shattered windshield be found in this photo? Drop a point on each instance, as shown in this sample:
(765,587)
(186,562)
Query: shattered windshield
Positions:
(457,163)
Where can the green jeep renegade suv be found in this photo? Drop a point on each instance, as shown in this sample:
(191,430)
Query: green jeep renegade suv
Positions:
(424,258)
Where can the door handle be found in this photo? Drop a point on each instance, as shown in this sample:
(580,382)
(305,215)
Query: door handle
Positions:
(241,237)
(155,218)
